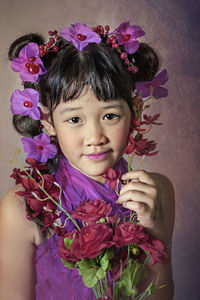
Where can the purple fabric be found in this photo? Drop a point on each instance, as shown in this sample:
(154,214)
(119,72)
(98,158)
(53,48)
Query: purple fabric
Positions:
(54,281)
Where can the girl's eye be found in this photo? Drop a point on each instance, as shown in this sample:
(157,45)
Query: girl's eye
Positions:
(110,116)
(74,120)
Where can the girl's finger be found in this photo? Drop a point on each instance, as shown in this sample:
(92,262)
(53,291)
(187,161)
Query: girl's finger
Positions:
(140,175)
(136,196)
(139,186)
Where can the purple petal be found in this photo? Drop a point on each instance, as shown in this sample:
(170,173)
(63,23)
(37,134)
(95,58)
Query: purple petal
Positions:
(70,34)
(18,99)
(42,139)
(161,78)
(144,88)
(49,152)
(31,49)
(17,65)
(31,146)
(131,47)
(136,32)
(160,92)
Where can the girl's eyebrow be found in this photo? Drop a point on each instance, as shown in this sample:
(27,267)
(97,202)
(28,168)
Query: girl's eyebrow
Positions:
(69,109)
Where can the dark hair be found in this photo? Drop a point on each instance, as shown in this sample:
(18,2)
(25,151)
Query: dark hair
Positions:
(97,66)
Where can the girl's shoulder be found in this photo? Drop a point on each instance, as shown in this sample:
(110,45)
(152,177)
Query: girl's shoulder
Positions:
(13,217)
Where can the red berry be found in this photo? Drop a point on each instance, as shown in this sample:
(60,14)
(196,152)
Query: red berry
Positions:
(55,32)
(107,27)
(57,37)
(40,147)
(52,40)
(28,104)
(134,69)
(123,55)
(115,45)
(51,33)
(41,47)
(48,45)
(33,69)
(127,62)
(55,48)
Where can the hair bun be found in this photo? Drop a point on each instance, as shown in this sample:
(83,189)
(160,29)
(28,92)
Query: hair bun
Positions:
(147,61)
(22,41)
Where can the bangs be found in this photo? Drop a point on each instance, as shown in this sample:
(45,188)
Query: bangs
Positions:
(97,67)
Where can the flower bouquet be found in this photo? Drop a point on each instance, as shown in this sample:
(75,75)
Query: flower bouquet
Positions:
(110,253)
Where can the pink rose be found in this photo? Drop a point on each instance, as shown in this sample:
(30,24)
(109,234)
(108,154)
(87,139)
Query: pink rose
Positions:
(157,251)
(91,211)
(91,240)
(128,233)
(65,252)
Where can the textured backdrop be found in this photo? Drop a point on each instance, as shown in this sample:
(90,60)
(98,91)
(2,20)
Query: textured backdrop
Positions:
(172,27)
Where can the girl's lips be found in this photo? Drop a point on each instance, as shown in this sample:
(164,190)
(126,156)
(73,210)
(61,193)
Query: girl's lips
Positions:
(97,156)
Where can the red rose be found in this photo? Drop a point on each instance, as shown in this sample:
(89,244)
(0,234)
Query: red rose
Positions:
(91,211)
(65,252)
(128,233)
(157,251)
(91,240)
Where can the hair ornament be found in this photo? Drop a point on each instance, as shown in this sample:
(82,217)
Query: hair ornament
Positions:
(26,103)
(39,147)
(29,64)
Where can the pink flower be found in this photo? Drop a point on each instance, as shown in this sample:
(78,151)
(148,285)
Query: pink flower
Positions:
(151,120)
(28,63)
(112,176)
(127,35)
(80,35)
(91,211)
(156,84)
(157,251)
(25,103)
(91,240)
(39,147)
(64,247)
(128,233)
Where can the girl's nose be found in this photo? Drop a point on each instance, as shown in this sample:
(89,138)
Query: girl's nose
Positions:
(95,136)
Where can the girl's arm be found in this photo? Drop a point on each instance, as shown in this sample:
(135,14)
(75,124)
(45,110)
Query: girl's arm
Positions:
(151,195)
(17,250)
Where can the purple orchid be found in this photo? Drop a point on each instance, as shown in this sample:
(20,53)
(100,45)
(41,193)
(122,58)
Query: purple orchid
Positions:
(39,147)
(155,85)
(80,35)
(28,63)
(25,103)
(127,35)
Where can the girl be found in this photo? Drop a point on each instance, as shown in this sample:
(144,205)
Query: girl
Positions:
(86,81)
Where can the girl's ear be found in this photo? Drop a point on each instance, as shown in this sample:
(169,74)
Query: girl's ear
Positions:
(46,120)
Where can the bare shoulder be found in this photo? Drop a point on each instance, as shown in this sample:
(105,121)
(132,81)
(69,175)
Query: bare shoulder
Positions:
(13,217)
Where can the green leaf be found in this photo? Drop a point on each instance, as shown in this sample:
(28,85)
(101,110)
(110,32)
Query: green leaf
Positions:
(90,271)
(107,256)
(68,243)
(69,264)
(129,279)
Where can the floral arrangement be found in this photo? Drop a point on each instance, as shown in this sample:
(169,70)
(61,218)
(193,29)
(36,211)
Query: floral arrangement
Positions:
(110,251)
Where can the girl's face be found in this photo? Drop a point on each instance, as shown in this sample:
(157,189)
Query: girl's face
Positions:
(92,134)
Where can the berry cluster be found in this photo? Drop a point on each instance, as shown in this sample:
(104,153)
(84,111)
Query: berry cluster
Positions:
(51,44)
(112,41)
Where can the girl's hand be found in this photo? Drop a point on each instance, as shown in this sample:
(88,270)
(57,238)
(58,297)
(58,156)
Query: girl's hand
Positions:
(141,195)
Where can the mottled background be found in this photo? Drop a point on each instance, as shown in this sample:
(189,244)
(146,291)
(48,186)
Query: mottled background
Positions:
(172,27)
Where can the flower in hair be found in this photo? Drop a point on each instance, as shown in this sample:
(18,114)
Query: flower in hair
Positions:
(127,35)
(25,103)
(28,63)
(80,35)
(154,87)
(39,147)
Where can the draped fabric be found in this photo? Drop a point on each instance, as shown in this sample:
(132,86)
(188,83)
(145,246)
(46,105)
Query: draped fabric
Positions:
(53,280)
